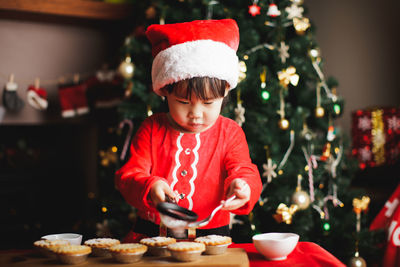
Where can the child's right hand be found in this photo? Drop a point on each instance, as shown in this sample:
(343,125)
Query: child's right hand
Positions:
(160,191)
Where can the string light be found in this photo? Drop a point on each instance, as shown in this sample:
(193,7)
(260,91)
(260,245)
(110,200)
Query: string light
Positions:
(326,226)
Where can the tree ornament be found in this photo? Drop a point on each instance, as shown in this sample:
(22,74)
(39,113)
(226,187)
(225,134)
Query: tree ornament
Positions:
(314,53)
(269,170)
(283,124)
(239,114)
(287,76)
(301,25)
(254,9)
(357,261)
(242,71)
(294,11)
(239,111)
(126,68)
(284,213)
(108,156)
(273,10)
(297,2)
(283,52)
(128,136)
(263,78)
(306,133)
(359,205)
(301,199)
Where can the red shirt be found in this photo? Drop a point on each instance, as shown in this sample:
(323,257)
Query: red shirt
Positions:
(201,166)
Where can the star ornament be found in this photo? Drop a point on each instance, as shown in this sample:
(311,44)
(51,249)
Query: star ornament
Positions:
(283,51)
(269,170)
(294,11)
(254,10)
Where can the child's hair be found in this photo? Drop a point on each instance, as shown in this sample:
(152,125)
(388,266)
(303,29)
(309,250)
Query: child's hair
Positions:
(203,88)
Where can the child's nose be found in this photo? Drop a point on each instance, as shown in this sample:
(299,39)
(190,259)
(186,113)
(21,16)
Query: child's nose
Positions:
(196,111)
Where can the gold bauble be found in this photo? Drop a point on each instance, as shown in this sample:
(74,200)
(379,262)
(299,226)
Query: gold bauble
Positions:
(126,68)
(319,112)
(301,199)
(283,124)
(357,262)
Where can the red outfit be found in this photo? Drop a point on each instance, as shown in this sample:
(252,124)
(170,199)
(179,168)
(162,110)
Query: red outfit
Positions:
(201,166)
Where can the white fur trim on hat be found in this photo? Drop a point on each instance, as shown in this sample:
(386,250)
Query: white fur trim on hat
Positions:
(201,58)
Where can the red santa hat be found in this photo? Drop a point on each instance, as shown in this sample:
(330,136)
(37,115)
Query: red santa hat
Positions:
(201,48)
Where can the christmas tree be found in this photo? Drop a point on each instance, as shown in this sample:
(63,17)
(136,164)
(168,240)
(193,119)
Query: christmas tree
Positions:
(287,109)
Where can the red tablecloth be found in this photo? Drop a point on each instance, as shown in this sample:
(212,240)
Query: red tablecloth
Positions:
(305,254)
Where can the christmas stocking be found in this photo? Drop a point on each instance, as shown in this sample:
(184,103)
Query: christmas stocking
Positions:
(73,100)
(37,97)
(11,101)
(105,89)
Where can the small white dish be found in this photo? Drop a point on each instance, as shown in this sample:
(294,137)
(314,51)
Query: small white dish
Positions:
(275,246)
(73,239)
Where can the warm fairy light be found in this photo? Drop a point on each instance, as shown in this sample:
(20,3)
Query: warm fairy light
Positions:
(299,176)
(280,172)
(246,57)
(306,168)
(319,112)
(114,149)
(104,209)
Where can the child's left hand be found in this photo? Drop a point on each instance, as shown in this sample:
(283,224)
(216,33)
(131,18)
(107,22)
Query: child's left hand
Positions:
(241,190)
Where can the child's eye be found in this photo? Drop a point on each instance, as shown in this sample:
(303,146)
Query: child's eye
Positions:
(208,102)
(183,102)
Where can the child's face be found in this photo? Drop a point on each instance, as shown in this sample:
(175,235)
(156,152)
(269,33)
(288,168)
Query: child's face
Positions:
(193,115)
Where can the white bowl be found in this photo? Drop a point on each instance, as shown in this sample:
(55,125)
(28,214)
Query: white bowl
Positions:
(73,239)
(275,246)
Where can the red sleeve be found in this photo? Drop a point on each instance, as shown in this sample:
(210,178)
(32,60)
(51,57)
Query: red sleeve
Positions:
(238,165)
(134,179)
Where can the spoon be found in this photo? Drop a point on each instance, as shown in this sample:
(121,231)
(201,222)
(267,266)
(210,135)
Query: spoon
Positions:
(176,217)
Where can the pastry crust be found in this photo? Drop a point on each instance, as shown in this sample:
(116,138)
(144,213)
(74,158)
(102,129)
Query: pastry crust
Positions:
(72,250)
(44,243)
(128,248)
(158,241)
(187,246)
(214,240)
(101,242)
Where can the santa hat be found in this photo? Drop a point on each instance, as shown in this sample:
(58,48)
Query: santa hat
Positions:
(201,48)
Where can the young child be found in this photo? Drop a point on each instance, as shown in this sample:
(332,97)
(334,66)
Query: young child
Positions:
(191,154)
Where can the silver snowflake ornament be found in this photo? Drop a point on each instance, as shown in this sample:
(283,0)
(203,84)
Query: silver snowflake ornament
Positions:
(283,51)
(269,170)
(239,114)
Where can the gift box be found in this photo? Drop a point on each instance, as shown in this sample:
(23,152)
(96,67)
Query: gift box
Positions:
(376,136)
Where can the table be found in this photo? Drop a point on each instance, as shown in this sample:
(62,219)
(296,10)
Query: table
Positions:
(306,254)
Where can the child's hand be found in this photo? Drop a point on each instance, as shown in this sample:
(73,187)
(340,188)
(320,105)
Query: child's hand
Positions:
(241,190)
(160,191)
